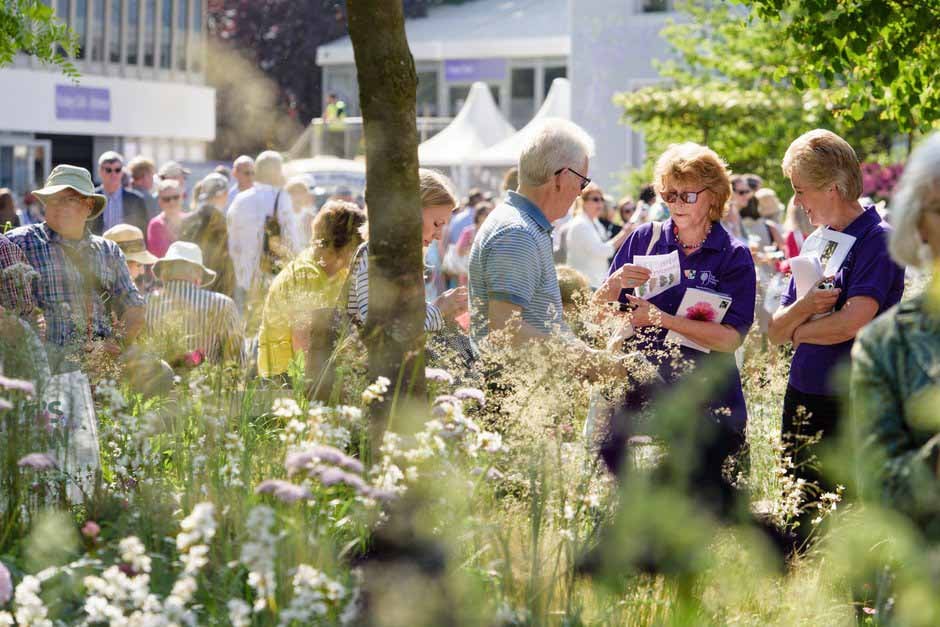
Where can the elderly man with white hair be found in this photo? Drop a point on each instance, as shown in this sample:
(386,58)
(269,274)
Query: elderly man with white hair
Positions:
(512,271)
(243,171)
(246,219)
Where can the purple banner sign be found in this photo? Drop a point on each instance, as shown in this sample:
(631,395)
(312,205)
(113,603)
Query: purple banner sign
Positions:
(470,70)
(82,103)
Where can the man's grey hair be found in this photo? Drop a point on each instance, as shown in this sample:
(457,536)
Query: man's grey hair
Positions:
(557,144)
(242,160)
(268,168)
(918,191)
(109,156)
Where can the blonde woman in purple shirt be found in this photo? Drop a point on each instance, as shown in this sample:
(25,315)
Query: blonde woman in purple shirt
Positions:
(827,181)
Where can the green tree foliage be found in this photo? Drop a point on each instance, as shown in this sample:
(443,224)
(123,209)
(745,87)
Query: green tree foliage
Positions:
(722,89)
(887,52)
(30,27)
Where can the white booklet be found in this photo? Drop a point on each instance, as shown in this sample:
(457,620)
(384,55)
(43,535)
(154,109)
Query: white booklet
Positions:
(699,304)
(666,273)
(830,247)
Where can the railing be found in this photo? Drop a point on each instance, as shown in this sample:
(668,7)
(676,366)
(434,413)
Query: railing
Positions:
(345,139)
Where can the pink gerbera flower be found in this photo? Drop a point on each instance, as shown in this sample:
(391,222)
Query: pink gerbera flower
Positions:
(701,311)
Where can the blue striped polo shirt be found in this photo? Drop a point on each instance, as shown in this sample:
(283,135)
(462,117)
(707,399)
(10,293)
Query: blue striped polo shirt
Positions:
(511,260)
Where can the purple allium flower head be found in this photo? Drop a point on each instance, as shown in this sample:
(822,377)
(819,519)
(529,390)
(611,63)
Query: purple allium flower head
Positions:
(332,476)
(284,490)
(5,404)
(18,385)
(437,374)
(6,585)
(471,394)
(305,460)
(37,461)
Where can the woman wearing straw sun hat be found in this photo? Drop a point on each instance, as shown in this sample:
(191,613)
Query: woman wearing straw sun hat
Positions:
(130,240)
(83,285)
(190,322)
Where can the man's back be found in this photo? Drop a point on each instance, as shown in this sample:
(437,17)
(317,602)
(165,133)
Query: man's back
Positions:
(511,261)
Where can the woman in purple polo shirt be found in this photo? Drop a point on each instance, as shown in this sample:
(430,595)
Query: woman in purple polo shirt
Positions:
(823,323)
(695,184)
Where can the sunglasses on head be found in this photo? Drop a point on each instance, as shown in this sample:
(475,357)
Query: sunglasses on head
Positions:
(170,198)
(113,170)
(585,181)
(686,197)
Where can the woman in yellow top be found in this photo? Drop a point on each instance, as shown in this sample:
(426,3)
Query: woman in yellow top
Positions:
(311,281)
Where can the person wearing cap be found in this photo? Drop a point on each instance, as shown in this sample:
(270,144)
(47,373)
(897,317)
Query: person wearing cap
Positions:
(130,240)
(206,227)
(124,206)
(82,287)
(172,170)
(190,322)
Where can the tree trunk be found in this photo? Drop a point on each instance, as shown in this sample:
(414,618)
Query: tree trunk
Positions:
(394,330)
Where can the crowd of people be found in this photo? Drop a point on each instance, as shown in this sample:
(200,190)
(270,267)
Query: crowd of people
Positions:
(237,273)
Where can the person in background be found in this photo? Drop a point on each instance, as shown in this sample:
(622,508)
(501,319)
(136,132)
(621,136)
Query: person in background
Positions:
(895,358)
(625,210)
(187,321)
(589,251)
(243,169)
(822,324)
(83,287)
(173,171)
(334,117)
(9,217)
(164,229)
(647,197)
(797,227)
(124,206)
(300,218)
(206,227)
(465,241)
(742,193)
(224,170)
(609,219)
(314,280)
(130,240)
(510,181)
(32,211)
(141,170)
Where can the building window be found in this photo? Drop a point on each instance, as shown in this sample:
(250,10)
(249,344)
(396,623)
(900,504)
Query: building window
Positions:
(656,6)
(182,33)
(133,30)
(63,9)
(117,31)
(195,55)
(550,74)
(97,30)
(522,98)
(166,34)
(427,94)
(150,32)
(81,26)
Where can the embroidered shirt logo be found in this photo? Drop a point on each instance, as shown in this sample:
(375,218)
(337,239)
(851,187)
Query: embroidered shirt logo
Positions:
(708,278)
(690,274)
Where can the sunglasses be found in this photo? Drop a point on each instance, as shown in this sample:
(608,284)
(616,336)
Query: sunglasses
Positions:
(111,170)
(170,198)
(686,197)
(585,181)
(594,199)
(742,192)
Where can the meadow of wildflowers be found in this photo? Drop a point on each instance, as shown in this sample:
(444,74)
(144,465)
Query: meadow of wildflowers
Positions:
(222,503)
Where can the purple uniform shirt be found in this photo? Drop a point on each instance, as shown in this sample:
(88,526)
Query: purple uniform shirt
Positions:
(868,270)
(722,265)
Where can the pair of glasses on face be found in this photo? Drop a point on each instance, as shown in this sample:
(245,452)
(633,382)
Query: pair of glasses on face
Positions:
(170,198)
(585,181)
(686,197)
(113,170)
(743,192)
(594,199)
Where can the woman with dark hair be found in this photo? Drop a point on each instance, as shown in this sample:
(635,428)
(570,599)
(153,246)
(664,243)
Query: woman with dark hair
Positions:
(8,214)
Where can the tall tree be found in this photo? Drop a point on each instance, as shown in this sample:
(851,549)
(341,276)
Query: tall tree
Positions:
(888,52)
(30,27)
(388,81)
(723,88)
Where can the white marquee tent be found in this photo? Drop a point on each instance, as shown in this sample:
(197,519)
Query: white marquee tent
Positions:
(506,153)
(479,125)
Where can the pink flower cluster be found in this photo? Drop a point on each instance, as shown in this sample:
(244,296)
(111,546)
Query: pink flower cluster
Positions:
(878,181)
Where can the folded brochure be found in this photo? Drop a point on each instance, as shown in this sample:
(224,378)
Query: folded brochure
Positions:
(699,304)
(665,272)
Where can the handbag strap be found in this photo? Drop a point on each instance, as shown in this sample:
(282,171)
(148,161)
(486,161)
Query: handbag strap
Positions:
(277,199)
(657,233)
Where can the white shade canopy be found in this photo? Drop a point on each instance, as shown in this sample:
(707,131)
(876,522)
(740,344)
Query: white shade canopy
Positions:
(506,153)
(479,125)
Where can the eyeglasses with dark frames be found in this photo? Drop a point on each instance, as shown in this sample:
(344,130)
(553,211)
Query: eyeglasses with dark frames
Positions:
(585,181)
(686,197)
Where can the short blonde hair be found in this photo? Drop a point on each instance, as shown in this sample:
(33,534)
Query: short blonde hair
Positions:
(693,163)
(824,159)
(268,168)
(917,191)
(590,188)
(165,184)
(139,167)
(436,189)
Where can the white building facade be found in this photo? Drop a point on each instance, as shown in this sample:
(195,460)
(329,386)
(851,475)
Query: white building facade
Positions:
(141,91)
(518,47)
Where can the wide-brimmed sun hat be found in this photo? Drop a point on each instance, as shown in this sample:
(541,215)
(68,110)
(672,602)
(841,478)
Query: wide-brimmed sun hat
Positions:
(172,168)
(184,252)
(130,240)
(75,178)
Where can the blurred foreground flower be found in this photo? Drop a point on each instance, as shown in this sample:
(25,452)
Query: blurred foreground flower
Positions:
(6,585)
(37,461)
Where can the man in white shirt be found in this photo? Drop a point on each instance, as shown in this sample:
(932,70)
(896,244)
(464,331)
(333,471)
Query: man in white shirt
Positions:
(243,171)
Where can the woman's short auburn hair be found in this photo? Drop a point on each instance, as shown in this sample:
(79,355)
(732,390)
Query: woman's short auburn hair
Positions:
(699,166)
(822,158)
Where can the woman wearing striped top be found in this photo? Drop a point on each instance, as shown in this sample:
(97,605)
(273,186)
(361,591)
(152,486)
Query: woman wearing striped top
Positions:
(438,202)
